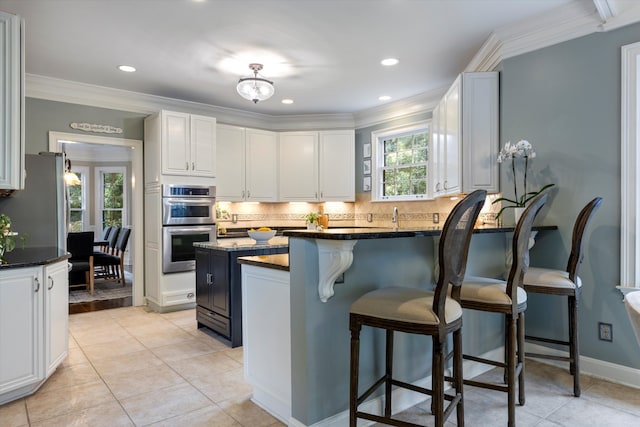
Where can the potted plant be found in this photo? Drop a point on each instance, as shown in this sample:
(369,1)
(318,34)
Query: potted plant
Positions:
(522,150)
(311,219)
(7,237)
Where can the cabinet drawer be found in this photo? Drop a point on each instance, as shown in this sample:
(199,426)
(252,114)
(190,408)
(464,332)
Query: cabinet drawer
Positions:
(213,321)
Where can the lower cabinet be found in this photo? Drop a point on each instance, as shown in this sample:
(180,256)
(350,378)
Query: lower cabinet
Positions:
(33,327)
(219,290)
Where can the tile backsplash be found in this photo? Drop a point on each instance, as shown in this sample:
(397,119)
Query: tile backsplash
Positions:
(344,214)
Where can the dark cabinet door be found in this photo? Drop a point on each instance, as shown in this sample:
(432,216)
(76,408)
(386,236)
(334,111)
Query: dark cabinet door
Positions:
(219,289)
(202,278)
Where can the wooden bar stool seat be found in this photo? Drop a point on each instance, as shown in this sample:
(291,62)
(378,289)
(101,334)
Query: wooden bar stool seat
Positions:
(507,298)
(564,283)
(419,311)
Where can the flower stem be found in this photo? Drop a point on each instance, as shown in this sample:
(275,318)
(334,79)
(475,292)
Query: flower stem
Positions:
(515,186)
(526,168)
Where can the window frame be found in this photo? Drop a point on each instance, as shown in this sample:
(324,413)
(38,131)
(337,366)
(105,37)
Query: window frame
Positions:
(85,182)
(377,161)
(99,188)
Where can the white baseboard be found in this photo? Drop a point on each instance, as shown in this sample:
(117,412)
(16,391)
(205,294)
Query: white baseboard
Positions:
(402,399)
(589,366)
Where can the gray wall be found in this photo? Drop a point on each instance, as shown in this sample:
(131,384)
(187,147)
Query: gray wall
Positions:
(43,116)
(565,100)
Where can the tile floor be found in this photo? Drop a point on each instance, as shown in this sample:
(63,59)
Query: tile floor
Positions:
(131,367)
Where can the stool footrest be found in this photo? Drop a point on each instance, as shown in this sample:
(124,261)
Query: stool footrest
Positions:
(548,356)
(547,340)
(485,361)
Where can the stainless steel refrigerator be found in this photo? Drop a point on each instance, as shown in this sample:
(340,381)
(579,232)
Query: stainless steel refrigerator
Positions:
(40,210)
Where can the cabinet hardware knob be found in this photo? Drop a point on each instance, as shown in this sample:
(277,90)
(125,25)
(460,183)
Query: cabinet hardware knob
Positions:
(51,281)
(37,284)
(186,165)
(190,295)
(193,166)
(445,185)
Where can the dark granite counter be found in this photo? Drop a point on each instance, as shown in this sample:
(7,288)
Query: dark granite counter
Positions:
(243,244)
(391,233)
(275,262)
(31,257)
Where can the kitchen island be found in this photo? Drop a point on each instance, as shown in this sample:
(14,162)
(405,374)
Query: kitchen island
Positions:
(319,321)
(34,307)
(218,286)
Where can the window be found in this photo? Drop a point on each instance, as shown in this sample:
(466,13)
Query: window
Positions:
(77,201)
(401,163)
(111,192)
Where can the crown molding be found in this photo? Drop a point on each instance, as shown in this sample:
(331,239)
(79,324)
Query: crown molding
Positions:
(52,89)
(400,109)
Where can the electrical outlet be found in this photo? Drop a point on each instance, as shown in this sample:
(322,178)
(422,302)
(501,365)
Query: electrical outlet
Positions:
(369,217)
(605,331)
(436,218)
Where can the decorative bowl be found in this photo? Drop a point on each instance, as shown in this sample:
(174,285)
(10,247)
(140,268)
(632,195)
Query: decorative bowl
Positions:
(261,237)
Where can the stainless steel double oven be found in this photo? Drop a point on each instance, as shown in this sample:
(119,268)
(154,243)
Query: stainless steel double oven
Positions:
(188,216)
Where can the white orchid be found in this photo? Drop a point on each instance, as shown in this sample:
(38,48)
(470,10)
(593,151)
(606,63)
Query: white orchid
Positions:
(522,149)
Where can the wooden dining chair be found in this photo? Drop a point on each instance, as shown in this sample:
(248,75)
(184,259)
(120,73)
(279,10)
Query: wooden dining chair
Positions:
(564,283)
(424,312)
(510,299)
(110,267)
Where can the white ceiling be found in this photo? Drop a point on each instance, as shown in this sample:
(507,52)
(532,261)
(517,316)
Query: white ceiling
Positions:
(323,54)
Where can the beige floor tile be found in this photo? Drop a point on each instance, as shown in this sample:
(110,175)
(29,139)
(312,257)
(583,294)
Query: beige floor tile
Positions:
(204,366)
(615,396)
(109,349)
(132,383)
(14,414)
(105,415)
(127,362)
(152,328)
(165,337)
(585,412)
(100,335)
(210,416)
(235,354)
(189,348)
(247,413)
(164,403)
(75,356)
(45,405)
(224,386)
(72,375)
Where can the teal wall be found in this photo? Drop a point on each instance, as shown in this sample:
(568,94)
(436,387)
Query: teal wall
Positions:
(565,99)
(42,116)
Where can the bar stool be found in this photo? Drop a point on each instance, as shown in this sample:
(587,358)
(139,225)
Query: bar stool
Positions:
(558,282)
(510,299)
(419,311)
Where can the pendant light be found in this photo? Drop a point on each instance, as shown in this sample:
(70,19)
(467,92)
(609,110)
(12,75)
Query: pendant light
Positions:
(70,178)
(255,88)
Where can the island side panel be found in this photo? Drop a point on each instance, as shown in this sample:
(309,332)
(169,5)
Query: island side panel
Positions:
(320,331)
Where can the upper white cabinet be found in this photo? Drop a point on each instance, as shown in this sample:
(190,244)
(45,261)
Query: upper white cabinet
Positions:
(317,166)
(247,165)
(12,102)
(180,144)
(480,133)
(465,136)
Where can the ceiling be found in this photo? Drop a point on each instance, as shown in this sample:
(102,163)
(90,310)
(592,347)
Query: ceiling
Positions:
(323,54)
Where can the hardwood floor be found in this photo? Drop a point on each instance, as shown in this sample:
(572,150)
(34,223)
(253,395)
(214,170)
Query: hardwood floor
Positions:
(85,307)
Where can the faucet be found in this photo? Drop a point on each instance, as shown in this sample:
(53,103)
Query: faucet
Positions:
(394,216)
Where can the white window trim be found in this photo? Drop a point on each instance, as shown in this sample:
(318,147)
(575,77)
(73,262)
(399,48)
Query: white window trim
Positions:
(630,179)
(376,179)
(99,202)
(84,177)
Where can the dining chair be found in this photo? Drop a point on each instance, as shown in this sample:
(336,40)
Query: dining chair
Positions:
(111,266)
(424,312)
(510,299)
(564,283)
(80,246)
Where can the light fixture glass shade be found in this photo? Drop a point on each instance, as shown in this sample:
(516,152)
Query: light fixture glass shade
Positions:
(255,88)
(71,178)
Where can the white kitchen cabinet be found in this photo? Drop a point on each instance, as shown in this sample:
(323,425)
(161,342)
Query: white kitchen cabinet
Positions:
(21,331)
(179,144)
(464,143)
(247,165)
(34,324)
(317,166)
(12,108)
(446,143)
(56,315)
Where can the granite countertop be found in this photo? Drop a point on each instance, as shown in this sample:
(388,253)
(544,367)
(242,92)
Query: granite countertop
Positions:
(276,262)
(240,244)
(390,233)
(31,257)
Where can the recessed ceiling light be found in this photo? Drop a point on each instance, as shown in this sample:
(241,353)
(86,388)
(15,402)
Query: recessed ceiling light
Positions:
(384,98)
(287,101)
(126,68)
(389,61)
